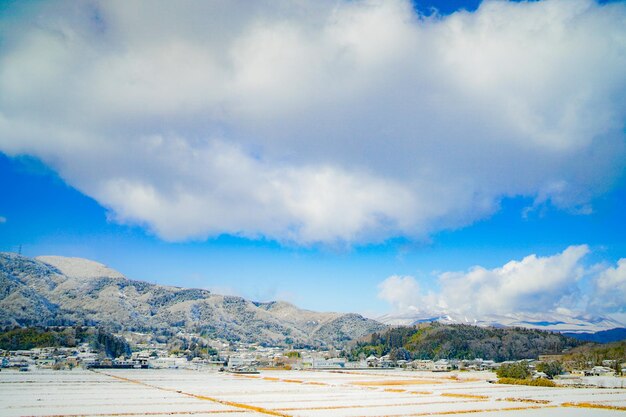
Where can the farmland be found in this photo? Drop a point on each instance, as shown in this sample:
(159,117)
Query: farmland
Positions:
(290,393)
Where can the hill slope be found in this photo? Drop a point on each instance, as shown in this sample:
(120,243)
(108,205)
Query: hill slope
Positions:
(459,341)
(551,321)
(605,336)
(55,290)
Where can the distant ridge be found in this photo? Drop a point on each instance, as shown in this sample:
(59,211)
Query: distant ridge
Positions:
(54,290)
(604,336)
(461,341)
(540,321)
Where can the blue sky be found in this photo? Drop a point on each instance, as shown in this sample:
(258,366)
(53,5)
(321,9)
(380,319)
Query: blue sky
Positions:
(314,157)
(46,216)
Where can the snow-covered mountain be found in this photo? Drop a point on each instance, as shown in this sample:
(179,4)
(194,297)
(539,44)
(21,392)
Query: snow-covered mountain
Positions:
(542,321)
(53,290)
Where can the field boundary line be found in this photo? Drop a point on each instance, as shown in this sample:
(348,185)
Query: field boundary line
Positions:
(234,404)
(147,413)
(337,407)
(485,410)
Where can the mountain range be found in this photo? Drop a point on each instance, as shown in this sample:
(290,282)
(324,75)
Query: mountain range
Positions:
(53,290)
(604,336)
(554,322)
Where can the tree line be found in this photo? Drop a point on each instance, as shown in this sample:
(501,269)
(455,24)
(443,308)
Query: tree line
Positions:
(99,339)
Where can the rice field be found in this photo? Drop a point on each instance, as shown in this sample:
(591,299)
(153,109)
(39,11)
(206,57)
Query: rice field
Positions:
(290,393)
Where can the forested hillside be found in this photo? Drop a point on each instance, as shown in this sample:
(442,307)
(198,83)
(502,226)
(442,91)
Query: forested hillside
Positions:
(32,337)
(592,354)
(457,341)
(58,291)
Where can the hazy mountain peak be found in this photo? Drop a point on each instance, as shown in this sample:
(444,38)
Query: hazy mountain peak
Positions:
(79,267)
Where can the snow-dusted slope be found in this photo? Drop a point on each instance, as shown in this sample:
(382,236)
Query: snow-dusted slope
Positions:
(79,267)
(56,290)
(542,321)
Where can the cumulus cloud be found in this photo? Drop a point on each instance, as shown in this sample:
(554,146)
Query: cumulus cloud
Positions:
(610,289)
(533,284)
(318,121)
(402,292)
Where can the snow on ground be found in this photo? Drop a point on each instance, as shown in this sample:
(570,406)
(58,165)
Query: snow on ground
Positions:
(290,393)
(79,268)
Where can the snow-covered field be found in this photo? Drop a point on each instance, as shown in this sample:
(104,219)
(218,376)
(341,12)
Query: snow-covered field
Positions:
(290,393)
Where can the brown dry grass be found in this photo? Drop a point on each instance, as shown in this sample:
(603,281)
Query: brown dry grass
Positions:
(524,400)
(474,396)
(393,382)
(484,410)
(595,405)
(540,382)
(394,390)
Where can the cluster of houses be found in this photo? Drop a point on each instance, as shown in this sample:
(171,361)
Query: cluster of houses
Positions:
(49,357)
(246,357)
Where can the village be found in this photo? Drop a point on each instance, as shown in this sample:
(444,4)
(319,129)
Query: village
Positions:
(238,357)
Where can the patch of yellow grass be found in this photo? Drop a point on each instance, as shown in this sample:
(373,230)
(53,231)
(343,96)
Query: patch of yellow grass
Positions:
(485,410)
(245,376)
(393,382)
(595,405)
(457,379)
(524,400)
(540,382)
(394,390)
(474,396)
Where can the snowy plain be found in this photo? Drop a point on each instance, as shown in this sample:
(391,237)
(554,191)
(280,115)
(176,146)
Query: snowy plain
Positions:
(290,393)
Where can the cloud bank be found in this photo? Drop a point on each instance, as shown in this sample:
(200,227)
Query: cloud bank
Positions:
(535,284)
(312,122)
(610,289)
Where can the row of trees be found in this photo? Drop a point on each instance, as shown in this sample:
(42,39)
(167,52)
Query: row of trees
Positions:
(521,370)
(590,355)
(32,337)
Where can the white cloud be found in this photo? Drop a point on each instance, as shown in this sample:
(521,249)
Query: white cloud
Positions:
(560,284)
(534,284)
(316,122)
(402,292)
(3,219)
(610,289)
(530,285)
